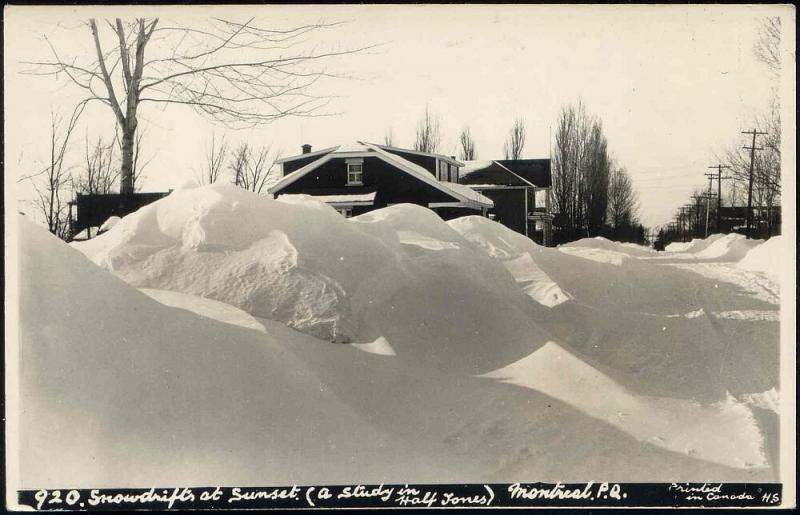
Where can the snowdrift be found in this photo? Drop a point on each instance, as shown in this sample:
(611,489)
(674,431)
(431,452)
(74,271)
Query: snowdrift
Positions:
(765,258)
(693,246)
(400,273)
(454,373)
(517,252)
(120,390)
(730,247)
(599,242)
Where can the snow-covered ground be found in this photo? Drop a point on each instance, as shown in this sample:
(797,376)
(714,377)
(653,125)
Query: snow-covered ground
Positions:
(219,337)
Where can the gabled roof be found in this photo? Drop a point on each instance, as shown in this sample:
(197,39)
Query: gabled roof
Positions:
(307,154)
(418,153)
(490,173)
(535,171)
(361,149)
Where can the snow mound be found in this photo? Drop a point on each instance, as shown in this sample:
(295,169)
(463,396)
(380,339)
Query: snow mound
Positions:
(766,257)
(730,247)
(516,253)
(164,396)
(599,255)
(679,246)
(613,247)
(208,308)
(108,224)
(399,272)
(724,433)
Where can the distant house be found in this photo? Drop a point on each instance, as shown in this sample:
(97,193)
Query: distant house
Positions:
(360,177)
(87,212)
(520,190)
(766,222)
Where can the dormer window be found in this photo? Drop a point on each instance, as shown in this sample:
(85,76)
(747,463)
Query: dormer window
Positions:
(355,172)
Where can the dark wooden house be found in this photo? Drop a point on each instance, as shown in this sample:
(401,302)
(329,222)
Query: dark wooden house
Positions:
(363,176)
(91,211)
(520,190)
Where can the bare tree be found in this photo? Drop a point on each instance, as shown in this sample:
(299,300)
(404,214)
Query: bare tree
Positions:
(594,180)
(99,174)
(428,137)
(251,167)
(239,164)
(216,153)
(512,148)
(234,73)
(468,152)
(52,183)
(623,203)
(569,155)
(767,47)
(388,138)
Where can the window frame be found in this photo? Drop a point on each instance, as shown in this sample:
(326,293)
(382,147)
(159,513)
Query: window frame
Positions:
(355,162)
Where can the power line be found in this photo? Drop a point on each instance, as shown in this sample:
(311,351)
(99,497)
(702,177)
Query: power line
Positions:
(720,178)
(752,148)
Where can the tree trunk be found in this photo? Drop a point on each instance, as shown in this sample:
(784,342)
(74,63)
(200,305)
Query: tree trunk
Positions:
(126,170)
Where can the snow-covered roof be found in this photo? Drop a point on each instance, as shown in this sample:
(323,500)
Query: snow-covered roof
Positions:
(471,194)
(466,196)
(469,197)
(354,199)
(473,166)
(419,153)
(307,154)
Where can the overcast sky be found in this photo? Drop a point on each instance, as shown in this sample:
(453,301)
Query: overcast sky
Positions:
(672,84)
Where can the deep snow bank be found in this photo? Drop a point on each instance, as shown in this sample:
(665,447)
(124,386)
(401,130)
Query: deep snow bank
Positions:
(725,432)
(117,389)
(517,252)
(730,247)
(603,250)
(400,273)
(765,258)
(164,396)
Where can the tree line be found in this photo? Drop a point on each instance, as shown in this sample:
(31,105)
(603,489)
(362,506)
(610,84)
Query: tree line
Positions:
(592,194)
(724,208)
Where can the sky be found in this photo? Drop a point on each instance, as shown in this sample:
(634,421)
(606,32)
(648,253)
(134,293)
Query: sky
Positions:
(673,85)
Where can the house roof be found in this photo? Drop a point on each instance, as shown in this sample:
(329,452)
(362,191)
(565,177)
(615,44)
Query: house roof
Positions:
(417,152)
(490,173)
(360,149)
(351,199)
(308,154)
(535,171)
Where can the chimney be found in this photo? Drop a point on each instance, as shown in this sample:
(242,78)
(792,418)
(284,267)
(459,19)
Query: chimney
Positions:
(306,148)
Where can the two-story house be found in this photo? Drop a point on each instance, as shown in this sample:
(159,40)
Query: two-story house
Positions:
(362,176)
(520,190)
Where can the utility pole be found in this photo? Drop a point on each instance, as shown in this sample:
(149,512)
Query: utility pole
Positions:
(708,196)
(697,199)
(752,148)
(708,200)
(720,178)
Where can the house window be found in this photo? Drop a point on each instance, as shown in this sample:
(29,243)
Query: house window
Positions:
(442,175)
(346,212)
(355,173)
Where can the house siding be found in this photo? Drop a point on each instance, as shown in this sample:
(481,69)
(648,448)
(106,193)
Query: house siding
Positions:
(392,186)
(296,164)
(509,207)
(426,162)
